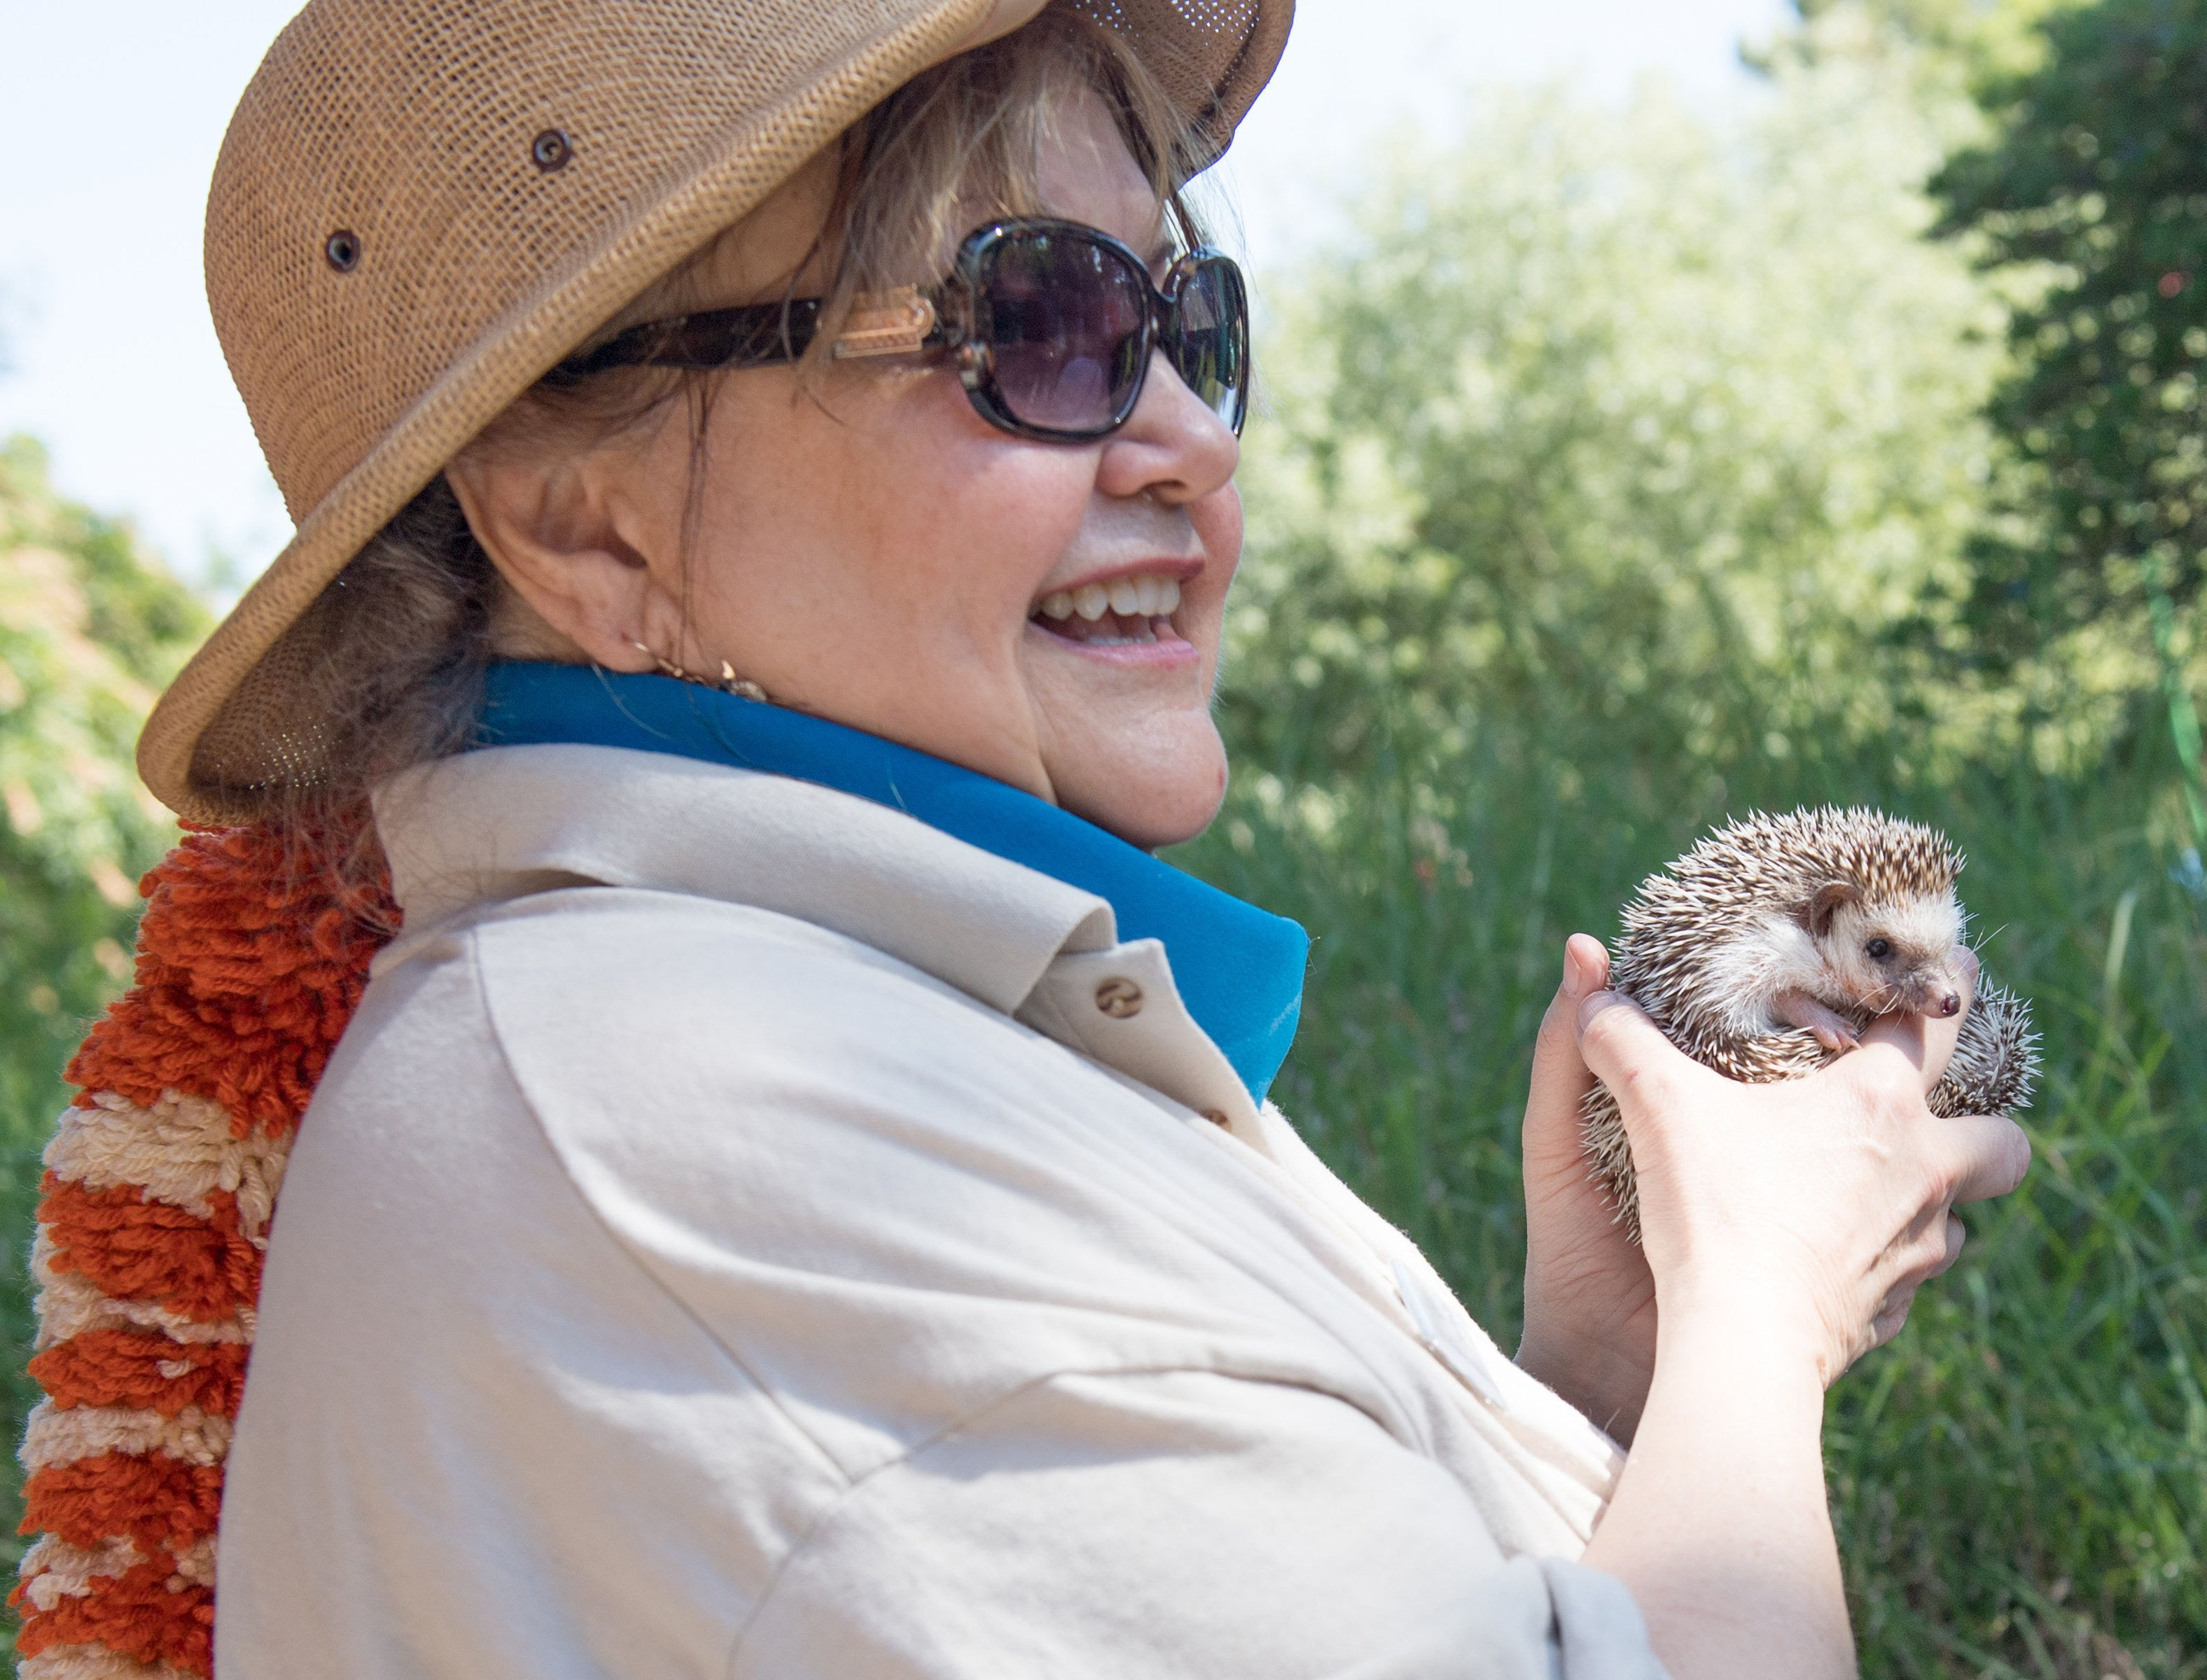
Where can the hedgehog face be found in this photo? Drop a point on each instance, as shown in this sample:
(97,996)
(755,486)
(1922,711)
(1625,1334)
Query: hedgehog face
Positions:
(1904,955)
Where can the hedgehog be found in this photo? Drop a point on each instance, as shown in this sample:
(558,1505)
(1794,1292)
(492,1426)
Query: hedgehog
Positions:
(1765,952)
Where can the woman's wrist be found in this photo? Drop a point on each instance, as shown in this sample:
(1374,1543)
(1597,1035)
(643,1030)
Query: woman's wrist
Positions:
(1740,1364)
(1720,1524)
(1762,1323)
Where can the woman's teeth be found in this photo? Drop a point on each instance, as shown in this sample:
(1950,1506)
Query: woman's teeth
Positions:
(1138,609)
(1128,597)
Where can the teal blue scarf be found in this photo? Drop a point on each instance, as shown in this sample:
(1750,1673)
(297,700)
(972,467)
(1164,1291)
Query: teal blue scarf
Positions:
(1240,969)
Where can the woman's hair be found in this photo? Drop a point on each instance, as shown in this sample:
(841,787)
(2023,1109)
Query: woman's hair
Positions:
(399,641)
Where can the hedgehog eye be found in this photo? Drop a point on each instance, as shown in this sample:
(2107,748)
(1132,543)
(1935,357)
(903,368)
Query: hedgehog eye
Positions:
(1880,948)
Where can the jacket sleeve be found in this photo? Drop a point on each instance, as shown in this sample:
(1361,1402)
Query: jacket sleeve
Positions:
(1170,1524)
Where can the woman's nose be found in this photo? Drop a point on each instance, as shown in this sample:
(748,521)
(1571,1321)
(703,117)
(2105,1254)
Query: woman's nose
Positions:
(1173,446)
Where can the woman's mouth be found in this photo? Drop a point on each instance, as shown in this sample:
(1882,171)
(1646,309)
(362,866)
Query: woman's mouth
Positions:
(1131,611)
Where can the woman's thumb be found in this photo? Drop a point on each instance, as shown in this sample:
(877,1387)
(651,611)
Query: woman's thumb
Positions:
(1556,1064)
(1628,1052)
(1560,1080)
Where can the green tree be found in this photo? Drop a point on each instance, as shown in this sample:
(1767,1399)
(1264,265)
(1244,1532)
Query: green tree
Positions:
(2096,183)
(90,628)
(1983,39)
(1628,422)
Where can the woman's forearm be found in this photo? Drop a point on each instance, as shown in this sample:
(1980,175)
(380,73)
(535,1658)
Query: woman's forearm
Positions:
(1720,1524)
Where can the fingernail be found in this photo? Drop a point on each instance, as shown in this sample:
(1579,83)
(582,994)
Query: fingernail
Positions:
(1578,972)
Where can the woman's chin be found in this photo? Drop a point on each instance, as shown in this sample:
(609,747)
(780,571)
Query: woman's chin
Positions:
(1157,791)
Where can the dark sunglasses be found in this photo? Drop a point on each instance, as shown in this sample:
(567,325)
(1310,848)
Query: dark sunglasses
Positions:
(1052,326)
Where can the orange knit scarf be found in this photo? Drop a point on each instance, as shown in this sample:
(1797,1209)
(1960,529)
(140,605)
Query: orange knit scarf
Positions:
(159,1185)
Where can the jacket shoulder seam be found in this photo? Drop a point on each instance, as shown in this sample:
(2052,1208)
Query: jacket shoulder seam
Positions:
(658,1285)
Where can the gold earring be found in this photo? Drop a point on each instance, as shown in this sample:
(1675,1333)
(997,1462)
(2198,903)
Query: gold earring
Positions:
(742,687)
(667,667)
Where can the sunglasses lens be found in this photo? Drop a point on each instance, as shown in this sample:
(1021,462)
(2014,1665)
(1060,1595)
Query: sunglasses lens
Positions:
(1209,342)
(1063,317)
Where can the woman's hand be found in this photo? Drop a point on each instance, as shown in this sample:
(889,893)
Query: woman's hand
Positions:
(1786,1229)
(1730,1185)
(1805,1213)
(1589,1296)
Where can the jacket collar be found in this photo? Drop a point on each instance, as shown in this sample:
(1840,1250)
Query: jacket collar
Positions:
(504,822)
(1238,970)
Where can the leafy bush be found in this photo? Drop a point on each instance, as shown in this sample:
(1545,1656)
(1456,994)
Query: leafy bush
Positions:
(2095,183)
(90,628)
(1622,424)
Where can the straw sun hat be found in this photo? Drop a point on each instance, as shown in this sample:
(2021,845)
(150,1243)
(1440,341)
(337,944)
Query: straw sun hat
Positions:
(421,205)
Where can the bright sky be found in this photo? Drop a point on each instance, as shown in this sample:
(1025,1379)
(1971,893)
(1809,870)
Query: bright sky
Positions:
(111,114)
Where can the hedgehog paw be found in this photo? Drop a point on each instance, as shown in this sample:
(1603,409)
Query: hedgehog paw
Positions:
(1832,1031)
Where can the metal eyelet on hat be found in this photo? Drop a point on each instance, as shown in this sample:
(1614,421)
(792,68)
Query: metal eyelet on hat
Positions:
(551,151)
(341,248)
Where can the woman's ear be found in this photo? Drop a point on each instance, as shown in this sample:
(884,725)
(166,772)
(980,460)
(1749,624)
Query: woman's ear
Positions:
(567,541)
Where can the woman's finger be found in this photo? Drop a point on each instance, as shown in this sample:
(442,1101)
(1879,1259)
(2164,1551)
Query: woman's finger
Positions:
(1560,1078)
(1892,1318)
(1628,1052)
(1891,1315)
(1924,1046)
(1984,1155)
(1941,1035)
(1957,1234)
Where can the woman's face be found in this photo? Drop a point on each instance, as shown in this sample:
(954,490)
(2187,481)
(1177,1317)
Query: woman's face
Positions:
(878,554)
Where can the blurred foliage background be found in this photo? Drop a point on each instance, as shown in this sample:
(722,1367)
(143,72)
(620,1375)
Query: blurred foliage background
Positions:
(90,627)
(1619,469)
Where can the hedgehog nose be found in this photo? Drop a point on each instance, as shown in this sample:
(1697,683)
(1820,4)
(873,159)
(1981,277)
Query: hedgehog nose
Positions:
(1951,1004)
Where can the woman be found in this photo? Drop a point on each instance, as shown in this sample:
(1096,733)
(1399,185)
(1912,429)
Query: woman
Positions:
(797,1196)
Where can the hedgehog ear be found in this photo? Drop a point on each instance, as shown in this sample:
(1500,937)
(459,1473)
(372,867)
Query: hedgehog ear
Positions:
(1825,904)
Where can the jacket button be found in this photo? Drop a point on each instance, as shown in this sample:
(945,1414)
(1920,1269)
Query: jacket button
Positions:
(1119,998)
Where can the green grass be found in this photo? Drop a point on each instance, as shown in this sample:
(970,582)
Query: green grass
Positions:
(2018,1480)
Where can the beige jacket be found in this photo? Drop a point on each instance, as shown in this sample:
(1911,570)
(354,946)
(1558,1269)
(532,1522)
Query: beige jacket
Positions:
(733,1242)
